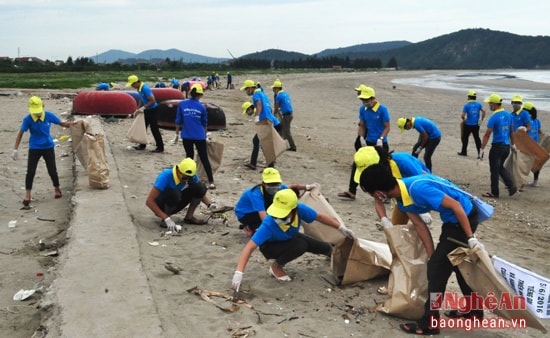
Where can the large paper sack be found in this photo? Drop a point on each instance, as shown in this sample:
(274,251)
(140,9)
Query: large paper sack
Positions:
(271,142)
(480,275)
(137,132)
(527,145)
(316,229)
(98,168)
(356,260)
(535,288)
(518,164)
(408,281)
(215,156)
(80,148)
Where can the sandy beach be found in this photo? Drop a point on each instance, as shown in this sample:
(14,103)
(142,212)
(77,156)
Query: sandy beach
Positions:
(312,305)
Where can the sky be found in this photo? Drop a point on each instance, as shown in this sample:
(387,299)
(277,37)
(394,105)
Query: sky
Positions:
(57,29)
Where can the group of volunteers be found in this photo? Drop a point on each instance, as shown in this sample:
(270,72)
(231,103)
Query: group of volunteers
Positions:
(270,212)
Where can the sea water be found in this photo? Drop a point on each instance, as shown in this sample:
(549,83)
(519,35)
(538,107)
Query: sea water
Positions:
(467,80)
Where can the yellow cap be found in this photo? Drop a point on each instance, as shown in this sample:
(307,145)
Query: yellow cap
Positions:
(493,98)
(111,84)
(277,84)
(366,93)
(198,88)
(517,98)
(528,106)
(271,175)
(361,88)
(131,80)
(364,158)
(35,105)
(472,93)
(248,84)
(245,106)
(284,202)
(188,167)
(401,122)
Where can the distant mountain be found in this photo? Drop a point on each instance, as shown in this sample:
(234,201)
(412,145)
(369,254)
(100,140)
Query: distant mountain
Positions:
(154,55)
(364,48)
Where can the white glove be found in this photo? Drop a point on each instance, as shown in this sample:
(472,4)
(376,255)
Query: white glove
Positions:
(176,138)
(312,186)
(418,151)
(363,141)
(386,223)
(237,280)
(347,232)
(213,206)
(426,218)
(14,154)
(379,143)
(481,153)
(473,242)
(170,224)
(257,118)
(513,147)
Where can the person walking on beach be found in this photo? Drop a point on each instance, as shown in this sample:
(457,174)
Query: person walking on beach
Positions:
(283,105)
(263,111)
(174,189)
(280,239)
(192,120)
(422,194)
(535,130)
(38,122)
(428,138)
(229,81)
(500,126)
(148,106)
(254,201)
(373,129)
(520,117)
(471,119)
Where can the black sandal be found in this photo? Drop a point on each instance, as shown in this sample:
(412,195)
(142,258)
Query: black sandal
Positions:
(413,328)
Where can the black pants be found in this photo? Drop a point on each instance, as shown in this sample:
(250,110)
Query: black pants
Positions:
(151,121)
(474,130)
(286,251)
(429,149)
(251,220)
(440,268)
(32,163)
(203,155)
(174,201)
(287,132)
(497,156)
(352,185)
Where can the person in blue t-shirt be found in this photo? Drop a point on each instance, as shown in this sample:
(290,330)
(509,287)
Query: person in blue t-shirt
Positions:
(38,122)
(280,239)
(175,83)
(192,120)
(283,105)
(472,114)
(401,165)
(520,116)
(421,194)
(428,138)
(229,81)
(263,111)
(500,125)
(174,189)
(148,105)
(104,86)
(254,201)
(535,131)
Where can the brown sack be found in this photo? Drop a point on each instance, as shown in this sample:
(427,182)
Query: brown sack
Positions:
(215,156)
(544,142)
(526,144)
(316,229)
(78,129)
(98,168)
(356,260)
(408,281)
(518,164)
(476,267)
(137,132)
(271,142)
